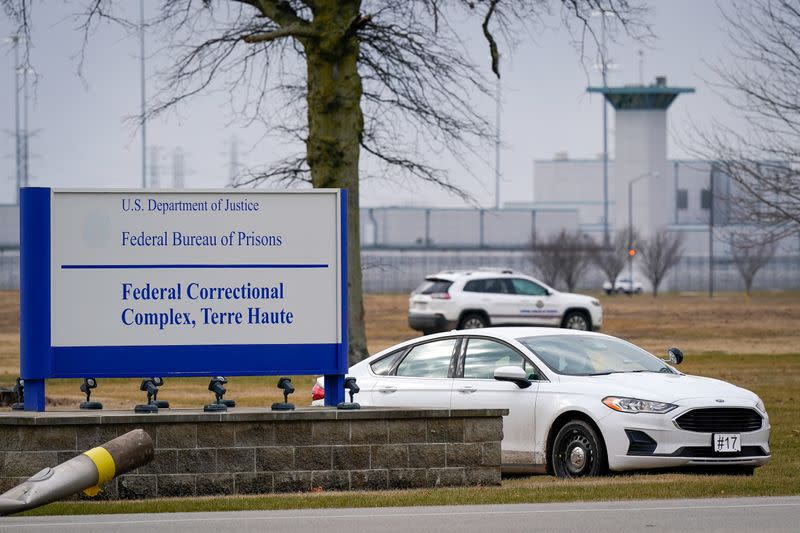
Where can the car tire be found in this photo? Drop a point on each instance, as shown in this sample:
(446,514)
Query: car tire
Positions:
(638,290)
(473,321)
(608,292)
(576,320)
(578,451)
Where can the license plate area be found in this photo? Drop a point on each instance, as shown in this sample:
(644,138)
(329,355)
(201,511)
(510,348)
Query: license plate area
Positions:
(726,442)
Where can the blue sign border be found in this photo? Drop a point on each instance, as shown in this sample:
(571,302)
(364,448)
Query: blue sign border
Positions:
(39,360)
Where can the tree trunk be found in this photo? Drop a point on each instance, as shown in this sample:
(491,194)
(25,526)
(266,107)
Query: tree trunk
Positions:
(335,126)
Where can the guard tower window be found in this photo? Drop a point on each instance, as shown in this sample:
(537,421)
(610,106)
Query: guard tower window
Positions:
(705,199)
(682,199)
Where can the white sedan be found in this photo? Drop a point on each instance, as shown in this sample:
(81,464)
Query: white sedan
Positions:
(579,403)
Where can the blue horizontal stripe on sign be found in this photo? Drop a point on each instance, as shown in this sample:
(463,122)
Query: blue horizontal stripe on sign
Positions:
(195,360)
(125,267)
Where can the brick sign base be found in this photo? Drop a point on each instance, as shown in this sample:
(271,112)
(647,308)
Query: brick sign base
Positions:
(253,451)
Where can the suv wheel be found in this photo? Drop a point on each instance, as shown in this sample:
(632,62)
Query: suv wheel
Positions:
(578,451)
(576,320)
(473,321)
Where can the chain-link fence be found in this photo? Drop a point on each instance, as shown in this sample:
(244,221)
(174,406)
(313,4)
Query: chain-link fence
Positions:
(9,269)
(387,272)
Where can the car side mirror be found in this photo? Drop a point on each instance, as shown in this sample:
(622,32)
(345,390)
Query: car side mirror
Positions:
(514,374)
(675,355)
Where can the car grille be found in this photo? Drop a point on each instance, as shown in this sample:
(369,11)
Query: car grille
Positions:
(720,420)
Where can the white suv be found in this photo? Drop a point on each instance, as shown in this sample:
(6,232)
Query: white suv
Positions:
(481,298)
(623,285)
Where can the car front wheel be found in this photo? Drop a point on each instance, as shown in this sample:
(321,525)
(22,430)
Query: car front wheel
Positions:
(473,321)
(578,451)
(576,320)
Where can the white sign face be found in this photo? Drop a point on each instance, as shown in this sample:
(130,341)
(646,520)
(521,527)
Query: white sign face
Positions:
(141,268)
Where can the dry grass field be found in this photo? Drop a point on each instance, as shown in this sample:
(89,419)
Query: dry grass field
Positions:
(754,344)
(727,324)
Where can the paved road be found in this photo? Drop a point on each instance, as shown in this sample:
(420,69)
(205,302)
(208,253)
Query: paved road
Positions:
(705,516)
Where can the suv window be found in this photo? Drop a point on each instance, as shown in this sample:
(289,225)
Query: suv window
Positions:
(382,366)
(498,286)
(429,360)
(433,286)
(475,285)
(528,288)
(484,356)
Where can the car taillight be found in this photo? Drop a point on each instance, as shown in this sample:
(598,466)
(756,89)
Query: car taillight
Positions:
(317,393)
(440,295)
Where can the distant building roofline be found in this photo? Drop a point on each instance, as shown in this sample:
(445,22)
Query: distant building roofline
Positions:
(641,97)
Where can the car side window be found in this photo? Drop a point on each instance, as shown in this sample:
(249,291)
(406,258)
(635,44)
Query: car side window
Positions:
(384,365)
(483,356)
(475,285)
(498,286)
(528,288)
(429,360)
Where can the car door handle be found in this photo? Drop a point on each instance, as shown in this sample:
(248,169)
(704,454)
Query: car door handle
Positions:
(387,389)
(467,389)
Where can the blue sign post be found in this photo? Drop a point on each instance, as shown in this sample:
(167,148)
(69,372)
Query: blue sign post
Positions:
(200,283)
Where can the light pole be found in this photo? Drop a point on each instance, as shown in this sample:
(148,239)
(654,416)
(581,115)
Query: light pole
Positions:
(604,72)
(497,147)
(15,40)
(650,174)
(711,233)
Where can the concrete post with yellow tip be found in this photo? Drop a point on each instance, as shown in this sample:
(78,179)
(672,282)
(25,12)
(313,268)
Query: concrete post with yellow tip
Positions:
(86,472)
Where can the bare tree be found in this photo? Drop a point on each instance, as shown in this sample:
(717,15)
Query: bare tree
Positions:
(565,257)
(387,80)
(659,254)
(761,85)
(750,254)
(546,259)
(611,260)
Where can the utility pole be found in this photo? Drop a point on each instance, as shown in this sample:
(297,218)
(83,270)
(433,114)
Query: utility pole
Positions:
(25,132)
(143,119)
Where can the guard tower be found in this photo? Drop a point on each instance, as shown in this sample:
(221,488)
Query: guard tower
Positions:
(641,154)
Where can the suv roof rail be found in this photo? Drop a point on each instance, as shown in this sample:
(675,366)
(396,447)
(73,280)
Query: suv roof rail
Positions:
(467,272)
(502,270)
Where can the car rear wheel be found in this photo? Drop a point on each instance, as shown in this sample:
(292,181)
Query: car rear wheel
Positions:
(578,451)
(576,320)
(473,321)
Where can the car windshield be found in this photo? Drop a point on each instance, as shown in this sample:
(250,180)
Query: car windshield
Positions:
(587,355)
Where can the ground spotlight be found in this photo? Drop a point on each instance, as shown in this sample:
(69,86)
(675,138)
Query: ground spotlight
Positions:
(288,388)
(161,404)
(352,389)
(86,388)
(217,386)
(150,386)
(19,390)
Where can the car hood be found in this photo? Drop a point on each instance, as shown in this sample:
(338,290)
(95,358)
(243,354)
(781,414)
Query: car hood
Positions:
(570,298)
(669,387)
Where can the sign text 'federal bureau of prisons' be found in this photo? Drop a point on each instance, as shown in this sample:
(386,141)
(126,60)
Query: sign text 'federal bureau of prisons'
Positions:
(258,275)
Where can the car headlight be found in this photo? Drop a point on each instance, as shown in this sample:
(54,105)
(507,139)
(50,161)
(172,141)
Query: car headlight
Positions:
(760,406)
(636,405)
(595,302)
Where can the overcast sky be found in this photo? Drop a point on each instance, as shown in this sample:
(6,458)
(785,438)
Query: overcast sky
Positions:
(83,140)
